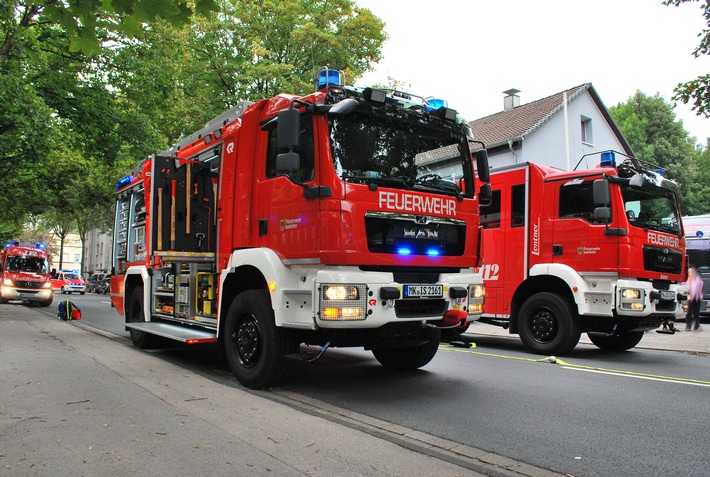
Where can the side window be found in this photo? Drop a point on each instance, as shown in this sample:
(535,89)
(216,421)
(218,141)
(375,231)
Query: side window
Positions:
(490,214)
(306,152)
(577,201)
(517,216)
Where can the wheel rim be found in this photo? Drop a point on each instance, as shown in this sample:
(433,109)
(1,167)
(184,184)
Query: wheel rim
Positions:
(543,325)
(246,341)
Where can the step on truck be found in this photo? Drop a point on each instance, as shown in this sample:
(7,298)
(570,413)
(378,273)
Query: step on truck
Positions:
(599,250)
(348,217)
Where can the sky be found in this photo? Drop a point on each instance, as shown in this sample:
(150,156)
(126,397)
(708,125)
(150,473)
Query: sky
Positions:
(470,51)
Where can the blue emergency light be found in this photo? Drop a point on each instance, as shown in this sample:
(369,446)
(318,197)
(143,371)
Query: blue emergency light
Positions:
(660,172)
(404,251)
(433,252)
(432,104)
(124,182)
(699,234)
(608,159)
(326,77)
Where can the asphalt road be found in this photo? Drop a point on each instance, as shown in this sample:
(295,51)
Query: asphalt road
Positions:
(639,413)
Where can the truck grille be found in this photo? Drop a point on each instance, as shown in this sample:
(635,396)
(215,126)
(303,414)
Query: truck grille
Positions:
(660,259)
(19,284)
(415,234)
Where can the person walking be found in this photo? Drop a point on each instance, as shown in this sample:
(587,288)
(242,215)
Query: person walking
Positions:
(695,292)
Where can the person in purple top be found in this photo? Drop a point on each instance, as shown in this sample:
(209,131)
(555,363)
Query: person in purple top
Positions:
(695,292)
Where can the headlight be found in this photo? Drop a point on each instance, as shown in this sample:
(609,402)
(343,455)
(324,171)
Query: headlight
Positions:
(631,293)
(477,294)
(8,282)
(47,285)
(632,299)
(340,292)
(342,302)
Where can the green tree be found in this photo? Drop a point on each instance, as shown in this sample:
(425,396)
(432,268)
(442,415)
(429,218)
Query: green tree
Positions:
(249,50)
(696,91)
(650,126)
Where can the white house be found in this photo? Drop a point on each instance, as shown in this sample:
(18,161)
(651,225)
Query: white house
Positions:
(559,130)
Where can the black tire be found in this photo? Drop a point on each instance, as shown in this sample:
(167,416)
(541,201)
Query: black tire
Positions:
(255,347)
(135,314)
(548,324)
(616,342)
(412,357)
(82,293)
(45,302)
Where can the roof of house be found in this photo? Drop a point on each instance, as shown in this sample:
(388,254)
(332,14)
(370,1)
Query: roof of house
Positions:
(517,123)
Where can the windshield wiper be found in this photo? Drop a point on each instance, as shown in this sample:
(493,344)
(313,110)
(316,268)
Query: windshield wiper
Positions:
(383,181)
(435,182)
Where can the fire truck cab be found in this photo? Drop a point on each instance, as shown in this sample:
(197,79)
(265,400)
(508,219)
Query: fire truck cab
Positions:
(600,250)
(25,274)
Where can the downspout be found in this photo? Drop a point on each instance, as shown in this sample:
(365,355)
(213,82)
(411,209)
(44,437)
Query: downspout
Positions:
(510,146)
(566,119)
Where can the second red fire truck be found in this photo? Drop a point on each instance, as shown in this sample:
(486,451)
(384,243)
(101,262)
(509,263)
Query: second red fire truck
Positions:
(24,271)
(347,217)
(600,251)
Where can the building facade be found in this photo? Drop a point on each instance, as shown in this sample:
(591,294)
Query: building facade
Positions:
(562,130)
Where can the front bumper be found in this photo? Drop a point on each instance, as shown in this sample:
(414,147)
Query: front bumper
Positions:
(12,293)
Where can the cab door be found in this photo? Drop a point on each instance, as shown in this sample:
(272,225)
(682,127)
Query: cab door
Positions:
(579,240)
(288,221)
(504,247)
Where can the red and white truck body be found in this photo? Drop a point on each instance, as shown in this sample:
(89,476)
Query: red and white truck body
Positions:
(600,250)
(347,217)
(24,271)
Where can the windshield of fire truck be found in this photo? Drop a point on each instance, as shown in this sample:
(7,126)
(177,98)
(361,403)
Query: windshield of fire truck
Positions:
(656,209)
(401,148)
(27,264)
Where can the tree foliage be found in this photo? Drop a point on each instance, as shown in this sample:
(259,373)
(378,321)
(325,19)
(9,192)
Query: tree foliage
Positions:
(696,91)
(650,126)
(90,87)
(249,50)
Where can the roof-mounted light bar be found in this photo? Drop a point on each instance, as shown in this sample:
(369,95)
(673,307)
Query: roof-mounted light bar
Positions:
(124,182)
(327,77)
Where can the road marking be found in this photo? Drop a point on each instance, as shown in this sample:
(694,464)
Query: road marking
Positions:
(580,367)
(691,382)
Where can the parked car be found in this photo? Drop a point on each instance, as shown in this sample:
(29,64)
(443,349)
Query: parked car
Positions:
(103,287)
(94,280)
(66,281)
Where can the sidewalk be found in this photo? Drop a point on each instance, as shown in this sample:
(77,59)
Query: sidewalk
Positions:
(688,341)
(74,403)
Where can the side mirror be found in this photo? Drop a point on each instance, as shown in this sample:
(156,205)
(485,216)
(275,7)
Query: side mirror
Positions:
(485,195)
(602,214)
(287,162)
(484,173)
(601,193)
(289,127)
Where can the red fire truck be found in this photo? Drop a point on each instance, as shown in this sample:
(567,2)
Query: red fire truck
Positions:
(600,251)
(24,271)
(347,217)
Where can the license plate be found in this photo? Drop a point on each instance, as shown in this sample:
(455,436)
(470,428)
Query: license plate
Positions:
(667,295)
(423,291)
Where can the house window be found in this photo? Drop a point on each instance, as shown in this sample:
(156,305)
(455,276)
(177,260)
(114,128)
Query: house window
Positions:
(587,130)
